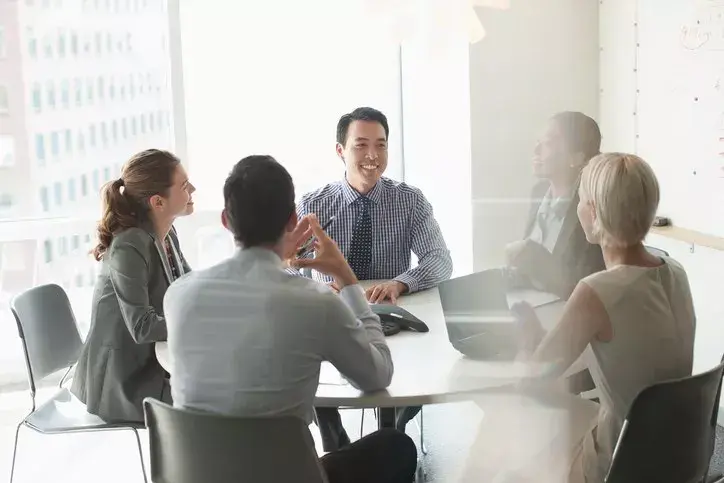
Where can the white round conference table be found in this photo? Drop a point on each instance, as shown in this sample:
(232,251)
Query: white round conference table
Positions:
(428,369)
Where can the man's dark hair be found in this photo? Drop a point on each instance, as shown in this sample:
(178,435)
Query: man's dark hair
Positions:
(259,200)
(580,132)
(360,114)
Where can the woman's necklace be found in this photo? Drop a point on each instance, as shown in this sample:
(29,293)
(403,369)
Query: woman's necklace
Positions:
(171,259)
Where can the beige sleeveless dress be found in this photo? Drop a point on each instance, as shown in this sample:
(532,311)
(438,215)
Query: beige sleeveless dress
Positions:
(569,439)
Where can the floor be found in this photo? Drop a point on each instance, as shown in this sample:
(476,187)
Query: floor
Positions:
(88,457)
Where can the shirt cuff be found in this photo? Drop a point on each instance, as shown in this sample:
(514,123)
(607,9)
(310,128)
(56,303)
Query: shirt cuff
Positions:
(293,271)
(411,282)
(354,297)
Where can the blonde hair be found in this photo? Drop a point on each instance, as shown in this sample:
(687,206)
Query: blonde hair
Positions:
(624,192)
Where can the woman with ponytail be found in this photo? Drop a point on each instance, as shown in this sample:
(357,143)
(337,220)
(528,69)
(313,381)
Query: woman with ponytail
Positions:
(140,257)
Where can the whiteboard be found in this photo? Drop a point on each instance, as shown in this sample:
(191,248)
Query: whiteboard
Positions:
(680,107)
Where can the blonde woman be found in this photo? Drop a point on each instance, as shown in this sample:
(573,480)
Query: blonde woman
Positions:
(634,321)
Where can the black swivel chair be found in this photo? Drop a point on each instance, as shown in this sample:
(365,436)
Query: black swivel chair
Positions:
(668,435)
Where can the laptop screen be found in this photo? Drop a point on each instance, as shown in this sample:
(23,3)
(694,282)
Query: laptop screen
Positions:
(477,317)
(479,292)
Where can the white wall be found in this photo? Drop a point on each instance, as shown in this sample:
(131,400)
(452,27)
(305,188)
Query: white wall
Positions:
(436,120)
(619,127)
(617,104)
(538,58)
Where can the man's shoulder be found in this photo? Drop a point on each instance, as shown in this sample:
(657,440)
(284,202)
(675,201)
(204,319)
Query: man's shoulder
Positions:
(402,188)
(222,278)
(306,288)
(327,191)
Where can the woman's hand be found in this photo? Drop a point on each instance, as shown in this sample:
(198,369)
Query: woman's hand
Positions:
(530,330)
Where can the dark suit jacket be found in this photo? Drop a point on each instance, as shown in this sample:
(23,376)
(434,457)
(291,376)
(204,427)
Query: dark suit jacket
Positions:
(572,253)
(117,367)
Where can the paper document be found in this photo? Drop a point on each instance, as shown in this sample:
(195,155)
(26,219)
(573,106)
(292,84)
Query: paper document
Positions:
(534,297)
(329,375)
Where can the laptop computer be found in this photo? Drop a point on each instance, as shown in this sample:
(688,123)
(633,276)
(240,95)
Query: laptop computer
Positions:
(478,319)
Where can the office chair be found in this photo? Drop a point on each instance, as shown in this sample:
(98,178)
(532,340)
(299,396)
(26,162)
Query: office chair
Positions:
(51,342)
(669,433)
(189,446)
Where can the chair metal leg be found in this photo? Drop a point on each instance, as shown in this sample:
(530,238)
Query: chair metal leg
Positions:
(420,473)
(15,450)
(362,424)
(421,430)
(140,454)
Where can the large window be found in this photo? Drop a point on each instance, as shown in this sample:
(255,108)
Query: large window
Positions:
(284,95)
(102,87)
(49,183)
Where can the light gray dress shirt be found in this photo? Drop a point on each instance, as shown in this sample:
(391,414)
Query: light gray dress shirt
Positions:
(247,339)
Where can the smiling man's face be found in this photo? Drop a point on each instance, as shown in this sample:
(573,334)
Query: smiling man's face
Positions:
(365,154)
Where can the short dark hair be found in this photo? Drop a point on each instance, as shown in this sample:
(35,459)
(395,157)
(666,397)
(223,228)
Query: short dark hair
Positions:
(360,114)
(259,200)
(581,133)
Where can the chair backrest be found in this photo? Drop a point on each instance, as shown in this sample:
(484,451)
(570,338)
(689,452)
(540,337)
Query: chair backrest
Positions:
(48,331)
(658,252)
(669,432)
(189,446)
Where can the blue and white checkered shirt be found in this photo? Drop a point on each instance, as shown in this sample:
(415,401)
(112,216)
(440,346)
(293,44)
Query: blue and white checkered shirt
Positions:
(403,223)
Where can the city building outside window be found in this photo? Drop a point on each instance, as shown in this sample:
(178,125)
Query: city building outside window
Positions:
(40,149)
(3,41)
(68,141)
(44,199)
(4,100)
(54,144)
(37,97)
(50,93)
(7,151)
(65,94)
(48,250)
(143,66)
(78,85)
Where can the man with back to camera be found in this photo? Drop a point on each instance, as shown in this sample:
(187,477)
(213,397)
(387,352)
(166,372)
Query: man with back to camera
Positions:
(378,223)
(247,339)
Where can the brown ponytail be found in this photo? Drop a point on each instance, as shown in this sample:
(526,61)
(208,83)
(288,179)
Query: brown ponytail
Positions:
(126,200)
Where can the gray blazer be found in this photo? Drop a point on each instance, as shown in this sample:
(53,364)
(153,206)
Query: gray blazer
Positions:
(572,253)
(117,367)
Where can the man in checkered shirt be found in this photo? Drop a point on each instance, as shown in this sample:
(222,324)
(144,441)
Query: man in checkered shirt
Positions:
(402,218)
(401,221)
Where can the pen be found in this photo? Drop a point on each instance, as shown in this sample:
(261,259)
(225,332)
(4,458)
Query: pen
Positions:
(305,248)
